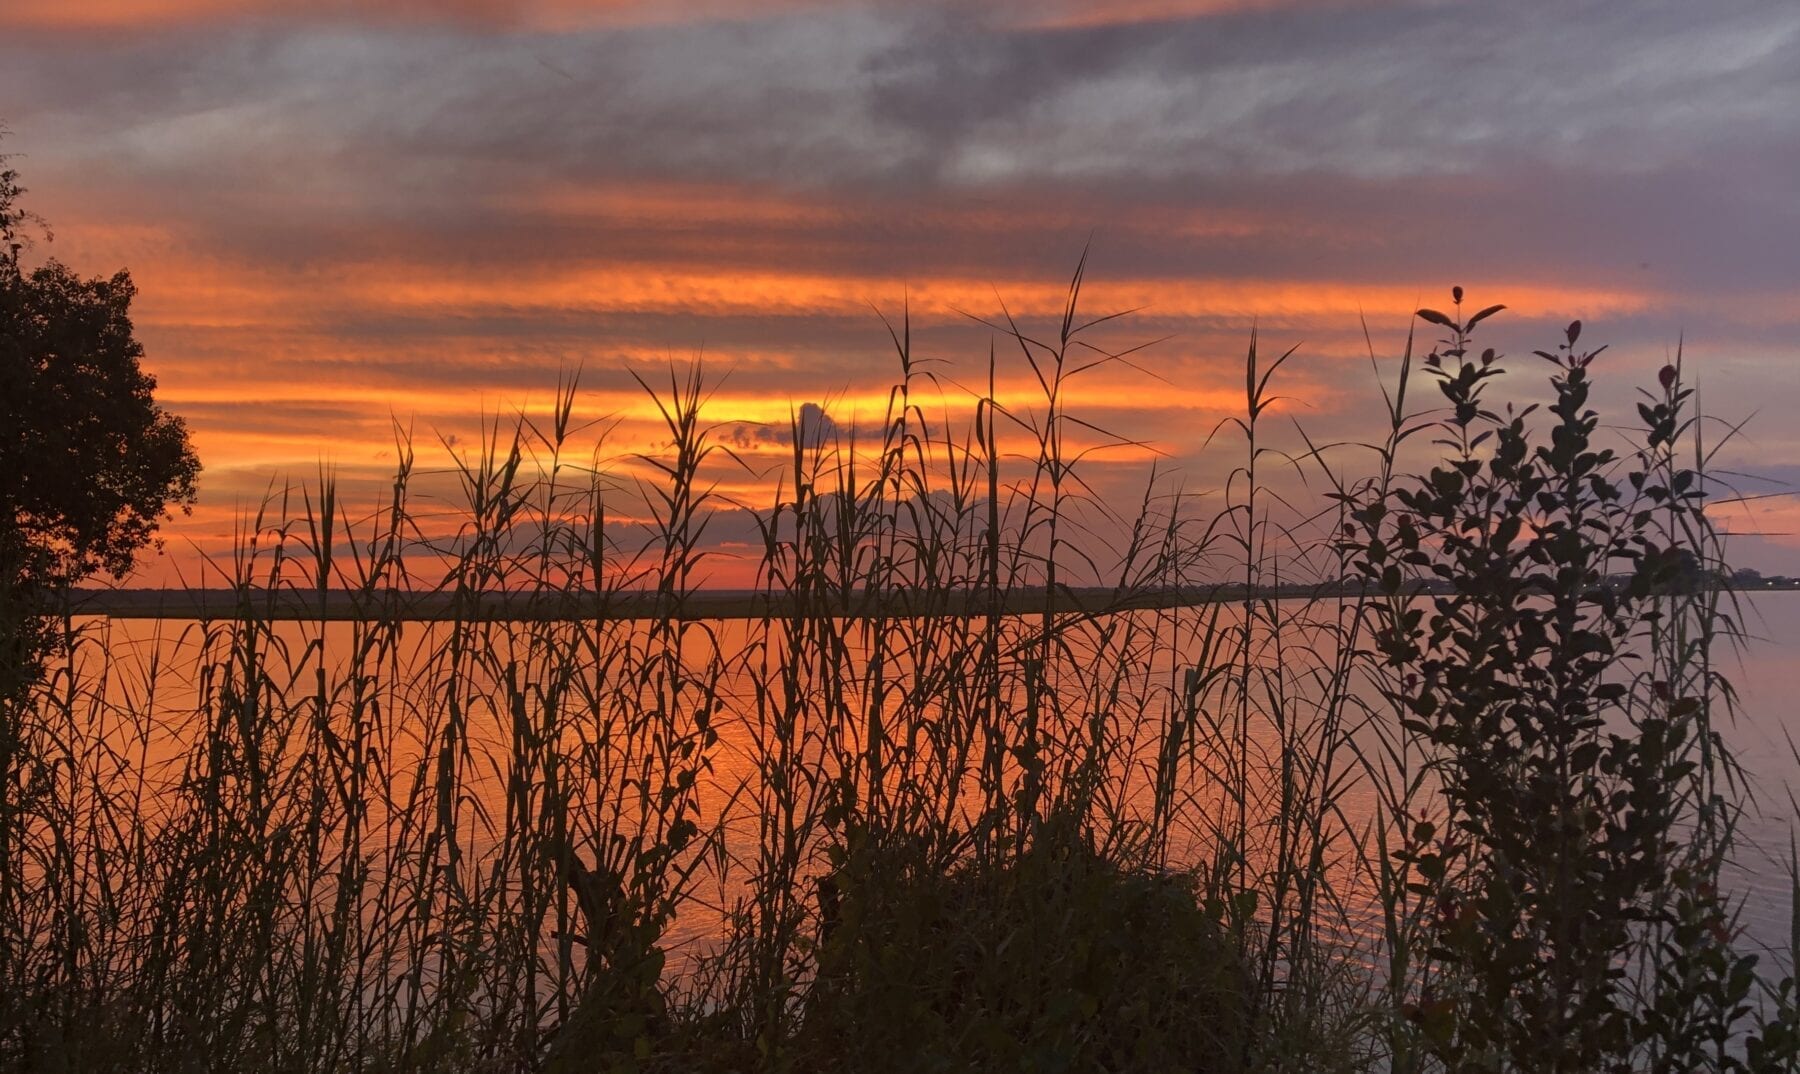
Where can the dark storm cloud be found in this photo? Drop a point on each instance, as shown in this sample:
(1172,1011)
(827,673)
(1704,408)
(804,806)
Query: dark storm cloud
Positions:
(1624,138)
(923,97)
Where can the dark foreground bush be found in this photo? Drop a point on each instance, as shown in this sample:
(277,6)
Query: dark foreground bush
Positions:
(1054,960)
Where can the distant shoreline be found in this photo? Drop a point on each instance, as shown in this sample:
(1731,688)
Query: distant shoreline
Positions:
(340,605)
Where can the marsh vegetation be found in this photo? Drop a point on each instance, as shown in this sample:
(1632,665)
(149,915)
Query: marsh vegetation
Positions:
(893,822)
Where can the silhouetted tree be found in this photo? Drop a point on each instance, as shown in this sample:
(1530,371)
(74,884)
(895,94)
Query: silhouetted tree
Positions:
(1746,578)
(89,463)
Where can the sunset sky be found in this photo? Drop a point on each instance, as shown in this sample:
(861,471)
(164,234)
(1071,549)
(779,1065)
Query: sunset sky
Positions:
(342,214)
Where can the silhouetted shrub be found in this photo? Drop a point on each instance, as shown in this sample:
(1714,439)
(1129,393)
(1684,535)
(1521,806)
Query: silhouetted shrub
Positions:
(1052,959)
(1579,832)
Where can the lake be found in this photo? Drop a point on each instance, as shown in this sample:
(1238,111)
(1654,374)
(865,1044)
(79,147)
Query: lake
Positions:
(1766,673)
(155,674)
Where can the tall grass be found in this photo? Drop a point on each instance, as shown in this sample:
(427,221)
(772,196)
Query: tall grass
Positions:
(969,790)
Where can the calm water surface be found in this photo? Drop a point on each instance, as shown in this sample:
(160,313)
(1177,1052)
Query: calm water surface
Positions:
(1763,736)
(1765,672)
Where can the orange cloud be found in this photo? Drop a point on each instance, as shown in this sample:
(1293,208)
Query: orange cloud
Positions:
(1078,13)
(701,291)
(536,14)
(1775,518)
(113,14)
(277,364)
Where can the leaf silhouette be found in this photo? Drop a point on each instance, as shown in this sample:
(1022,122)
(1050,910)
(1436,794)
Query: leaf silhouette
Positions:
(1484,314)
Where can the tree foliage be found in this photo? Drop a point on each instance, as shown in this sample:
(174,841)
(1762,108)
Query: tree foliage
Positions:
(89,463)
(1580,839)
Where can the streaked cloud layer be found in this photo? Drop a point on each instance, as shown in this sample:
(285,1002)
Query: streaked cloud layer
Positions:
(338,217)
